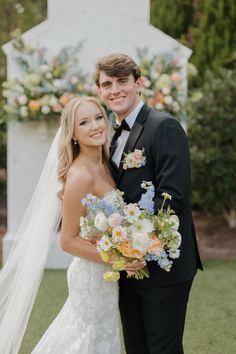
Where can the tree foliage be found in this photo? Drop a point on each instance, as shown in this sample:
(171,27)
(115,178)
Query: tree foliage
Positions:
(212,136)
(207,27)
(172,17)
(216,37)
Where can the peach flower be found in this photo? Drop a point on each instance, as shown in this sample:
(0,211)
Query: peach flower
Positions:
(159,98)
(156,246)
(127,250)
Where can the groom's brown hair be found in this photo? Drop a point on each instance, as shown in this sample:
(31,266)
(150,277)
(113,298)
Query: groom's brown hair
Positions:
(117,65)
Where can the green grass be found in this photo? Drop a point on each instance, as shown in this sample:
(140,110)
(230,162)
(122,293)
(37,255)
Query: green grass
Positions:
(211,318)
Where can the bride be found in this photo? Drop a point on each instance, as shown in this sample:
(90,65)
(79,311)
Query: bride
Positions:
(89,321)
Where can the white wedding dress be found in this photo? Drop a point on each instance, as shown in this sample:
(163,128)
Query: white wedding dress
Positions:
(89,321)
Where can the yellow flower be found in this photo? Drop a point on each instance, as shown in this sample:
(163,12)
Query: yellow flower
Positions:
(105,257)
(119,265)
(111,276)
(34,105)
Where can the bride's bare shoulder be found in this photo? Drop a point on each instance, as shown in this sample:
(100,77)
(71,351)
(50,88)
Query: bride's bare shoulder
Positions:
(79,180)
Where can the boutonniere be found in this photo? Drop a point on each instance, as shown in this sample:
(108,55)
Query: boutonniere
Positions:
(134,159)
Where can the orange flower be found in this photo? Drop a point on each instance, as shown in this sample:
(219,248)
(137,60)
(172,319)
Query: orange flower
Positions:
(159,98)
(156,246)
(65,98)
(127,250)
(34,105)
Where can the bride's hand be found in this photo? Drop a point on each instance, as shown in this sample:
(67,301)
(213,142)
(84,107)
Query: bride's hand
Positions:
(96,238)
(132,267)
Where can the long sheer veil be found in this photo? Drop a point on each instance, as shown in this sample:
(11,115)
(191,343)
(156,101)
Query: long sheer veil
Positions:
(21,274)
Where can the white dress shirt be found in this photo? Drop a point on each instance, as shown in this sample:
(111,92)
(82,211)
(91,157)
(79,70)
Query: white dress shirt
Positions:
(122,140)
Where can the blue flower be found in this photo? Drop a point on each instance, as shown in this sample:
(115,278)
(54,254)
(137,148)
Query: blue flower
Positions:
(146,201)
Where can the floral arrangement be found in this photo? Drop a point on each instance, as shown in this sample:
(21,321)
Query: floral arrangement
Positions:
(47,85)
(162,81)
(135,159)
(131,232)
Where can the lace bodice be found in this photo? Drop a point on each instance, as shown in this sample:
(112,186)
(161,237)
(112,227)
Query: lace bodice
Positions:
(89,321)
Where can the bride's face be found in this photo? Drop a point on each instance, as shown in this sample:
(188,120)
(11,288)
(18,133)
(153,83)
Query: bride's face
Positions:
(90,125)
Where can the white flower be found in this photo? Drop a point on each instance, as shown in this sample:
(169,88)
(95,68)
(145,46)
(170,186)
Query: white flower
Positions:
(174,253)
(84,230)
(24,112)
(114,220)
(100,221)
(144,226)
(146,82)
(165,90)
(32,79)
(168,100)
(45,109)
(119,234)
(48,75)
(132,212)
(174,220)
(141,242)
(163,81)
(44,68)
(58,83)
(159,106)
(176,241)
(176,106)
(52,101)
(104,244)
(74,80)
(166,195)
(22,100)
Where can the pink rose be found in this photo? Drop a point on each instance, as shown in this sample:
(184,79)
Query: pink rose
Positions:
(138,155)
(114,220)
(57,108)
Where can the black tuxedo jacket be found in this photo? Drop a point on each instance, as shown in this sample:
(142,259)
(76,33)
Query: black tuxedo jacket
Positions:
(168,167)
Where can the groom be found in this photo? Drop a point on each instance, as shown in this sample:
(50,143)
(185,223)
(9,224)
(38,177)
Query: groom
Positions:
(152,310)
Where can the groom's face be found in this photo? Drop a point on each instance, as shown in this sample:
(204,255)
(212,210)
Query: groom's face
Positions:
(120,94)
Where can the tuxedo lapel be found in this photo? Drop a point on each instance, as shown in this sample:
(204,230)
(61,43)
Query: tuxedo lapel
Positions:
(133,136)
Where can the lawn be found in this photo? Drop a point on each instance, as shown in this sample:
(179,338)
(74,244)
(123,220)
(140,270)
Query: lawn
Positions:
(211,318)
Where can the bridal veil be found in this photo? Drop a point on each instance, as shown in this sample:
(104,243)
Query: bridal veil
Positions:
(21,274)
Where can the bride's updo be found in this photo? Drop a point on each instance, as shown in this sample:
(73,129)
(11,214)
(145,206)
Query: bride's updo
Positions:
(68,150)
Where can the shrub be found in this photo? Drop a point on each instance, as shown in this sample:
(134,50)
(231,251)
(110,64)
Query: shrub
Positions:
(212,135)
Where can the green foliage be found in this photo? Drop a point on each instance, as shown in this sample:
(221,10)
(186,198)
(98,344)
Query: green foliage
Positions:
(212,131)
(15,14)
(210,323)
(215,41)
(172,17)
(205,26)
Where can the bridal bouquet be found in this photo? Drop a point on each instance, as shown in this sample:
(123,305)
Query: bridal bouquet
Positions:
(131,232)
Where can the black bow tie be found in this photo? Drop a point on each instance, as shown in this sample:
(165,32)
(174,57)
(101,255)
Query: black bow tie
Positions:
(118,128)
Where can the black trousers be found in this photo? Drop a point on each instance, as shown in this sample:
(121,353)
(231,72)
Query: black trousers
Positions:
(153,317)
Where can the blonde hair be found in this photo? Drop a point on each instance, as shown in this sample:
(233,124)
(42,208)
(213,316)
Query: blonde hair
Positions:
(68,151)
